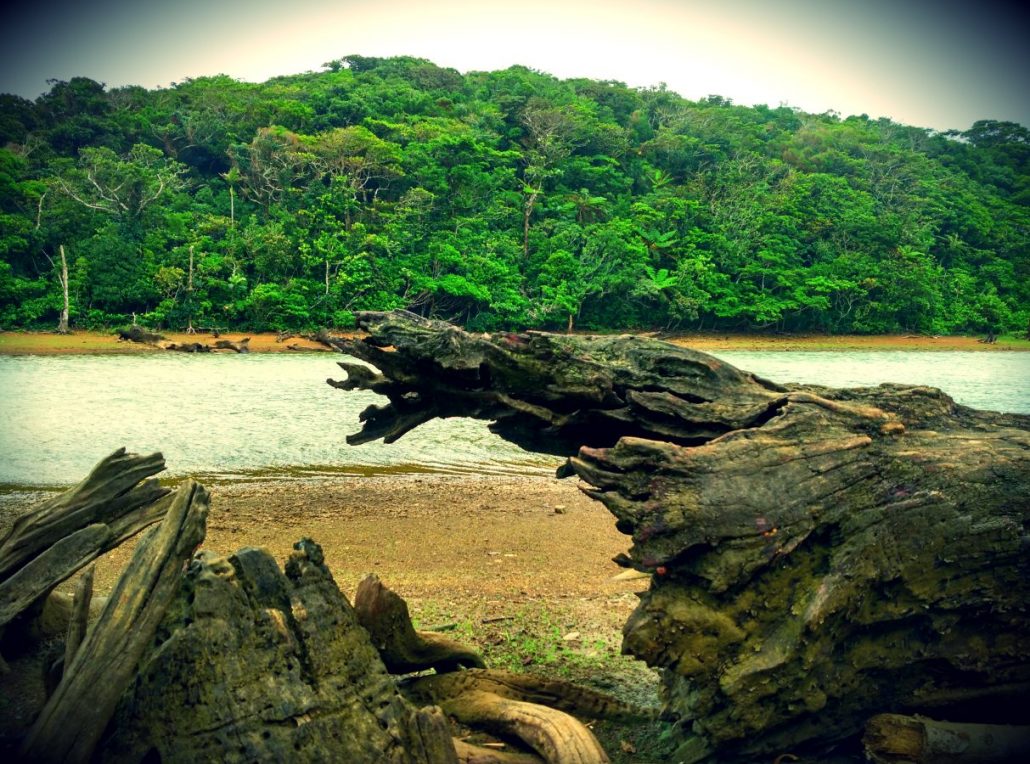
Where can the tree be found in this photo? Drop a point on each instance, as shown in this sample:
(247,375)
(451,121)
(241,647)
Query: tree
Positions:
(550,136)
(367,163)
(391,181)
(122,188)
(62,324)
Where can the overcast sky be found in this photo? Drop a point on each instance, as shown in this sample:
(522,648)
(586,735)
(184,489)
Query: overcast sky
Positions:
(932,63)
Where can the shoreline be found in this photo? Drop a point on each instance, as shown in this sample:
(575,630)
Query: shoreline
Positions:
(100,343)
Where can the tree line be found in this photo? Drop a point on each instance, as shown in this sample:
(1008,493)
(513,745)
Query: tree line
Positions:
(505,199)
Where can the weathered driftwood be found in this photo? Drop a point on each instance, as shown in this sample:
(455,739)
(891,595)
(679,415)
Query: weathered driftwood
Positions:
(554,693)
(302,349)
(515,705)
(384,615)
(186,347)
(253,664)
(475,754)
(546,392)
(556,736)
(897,739)
(137,333)
(104,665)
(61,535)
(235,661)
(243,346)
(321,337)
(817,555)
(79,616)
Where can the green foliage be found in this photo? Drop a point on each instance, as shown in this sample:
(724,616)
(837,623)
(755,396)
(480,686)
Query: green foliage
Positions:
(505,199)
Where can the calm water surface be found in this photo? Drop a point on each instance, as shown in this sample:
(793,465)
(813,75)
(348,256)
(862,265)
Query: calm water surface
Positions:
(273,415)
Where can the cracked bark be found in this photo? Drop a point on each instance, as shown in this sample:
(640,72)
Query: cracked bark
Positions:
(817,555)
(254,663)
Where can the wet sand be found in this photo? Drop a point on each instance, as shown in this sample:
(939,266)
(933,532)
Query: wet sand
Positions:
(42,343)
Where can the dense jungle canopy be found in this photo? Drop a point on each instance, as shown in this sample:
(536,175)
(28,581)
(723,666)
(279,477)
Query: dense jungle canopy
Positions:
(500,199)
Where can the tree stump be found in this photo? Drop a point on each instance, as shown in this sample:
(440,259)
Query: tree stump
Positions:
(817,555)
(254,664)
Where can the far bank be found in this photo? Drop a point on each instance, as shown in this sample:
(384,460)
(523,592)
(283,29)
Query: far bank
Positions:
(102,343)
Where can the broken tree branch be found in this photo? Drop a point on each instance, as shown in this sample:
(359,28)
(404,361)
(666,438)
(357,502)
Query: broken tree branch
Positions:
(59,536)
(897,739)
(74,717)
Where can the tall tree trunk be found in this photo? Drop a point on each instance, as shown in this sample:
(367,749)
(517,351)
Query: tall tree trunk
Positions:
(189,297)
(526,214)
(62,325)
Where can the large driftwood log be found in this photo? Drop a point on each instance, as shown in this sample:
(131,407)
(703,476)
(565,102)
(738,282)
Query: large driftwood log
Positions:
(817,555)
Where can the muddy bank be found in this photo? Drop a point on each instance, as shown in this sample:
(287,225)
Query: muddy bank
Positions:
(42,343)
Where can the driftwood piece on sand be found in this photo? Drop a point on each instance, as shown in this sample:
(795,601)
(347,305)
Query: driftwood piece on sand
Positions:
(138,334)
(817,555)
(72,721)
(243,346)
(384,615)
(60,535)
(897,739)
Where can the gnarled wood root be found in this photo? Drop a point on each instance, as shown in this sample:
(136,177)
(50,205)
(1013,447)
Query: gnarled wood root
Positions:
(384,615)
(554,693)
(556,736)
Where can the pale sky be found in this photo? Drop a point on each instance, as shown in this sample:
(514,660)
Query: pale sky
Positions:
(931,63)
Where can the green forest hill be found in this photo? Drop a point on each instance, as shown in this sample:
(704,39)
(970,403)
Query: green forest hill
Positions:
(506,199)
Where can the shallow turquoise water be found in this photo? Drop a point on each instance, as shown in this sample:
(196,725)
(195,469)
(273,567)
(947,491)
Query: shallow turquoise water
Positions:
(273,415)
